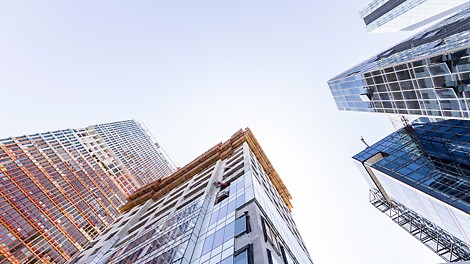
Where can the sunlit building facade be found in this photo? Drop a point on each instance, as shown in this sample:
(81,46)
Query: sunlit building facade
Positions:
(127,150)
(61,189)
(227,206)
(420,177)
(396,15)
(426,75)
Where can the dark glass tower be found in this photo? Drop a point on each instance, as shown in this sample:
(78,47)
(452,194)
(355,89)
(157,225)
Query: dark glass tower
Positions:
(426,75)
(420,176)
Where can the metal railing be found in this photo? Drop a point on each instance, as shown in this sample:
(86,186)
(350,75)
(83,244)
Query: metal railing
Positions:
(448,247)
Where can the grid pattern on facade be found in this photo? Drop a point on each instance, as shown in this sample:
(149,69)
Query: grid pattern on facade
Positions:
(159,230)
(372,6)
(381,10)
(426,75)
(217,236)
(278,213)
(448,247)
(433,157)
(396,15)
(219,204)
(163,241)
(53,199)
(108,161)
(59,190)
(141,155)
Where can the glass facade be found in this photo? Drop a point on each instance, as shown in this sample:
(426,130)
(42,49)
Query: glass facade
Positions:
(427,75)
(396,15)
(448,247)
(57,193)
(229,212)
(136,149)
(426,168)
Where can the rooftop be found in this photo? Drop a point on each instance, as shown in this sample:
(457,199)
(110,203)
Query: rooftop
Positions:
(220,151)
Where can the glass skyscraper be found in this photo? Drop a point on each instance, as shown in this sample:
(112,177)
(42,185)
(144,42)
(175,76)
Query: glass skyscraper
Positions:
(227,206)
(396,15)
(128,152)
(426,75)
(61,189)
(420,176)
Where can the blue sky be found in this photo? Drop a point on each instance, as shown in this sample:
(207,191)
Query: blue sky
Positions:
(195,72)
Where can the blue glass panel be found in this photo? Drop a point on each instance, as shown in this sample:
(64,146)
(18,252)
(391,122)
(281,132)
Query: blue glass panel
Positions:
(240,225)
(435,153)
(241,258)
(222,212)
(240,185)
(240,200)
(218,238)
(208,244)
(214,217)
(228,260)
(231,206)
(229,231)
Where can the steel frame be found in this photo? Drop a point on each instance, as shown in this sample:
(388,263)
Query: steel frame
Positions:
(448,247)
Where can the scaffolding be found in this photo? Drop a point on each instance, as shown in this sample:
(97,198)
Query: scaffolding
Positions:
(448,247)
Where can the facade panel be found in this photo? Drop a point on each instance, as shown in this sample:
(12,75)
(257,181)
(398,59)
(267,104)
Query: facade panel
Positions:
(426,169)
(397,15)
(426,75)
(227,206)
(58,192)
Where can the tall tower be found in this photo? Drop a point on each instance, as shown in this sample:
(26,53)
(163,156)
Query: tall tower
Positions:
(426,75)
(60,189)
(228,205)
(420,177)
(127,151)
(397,15)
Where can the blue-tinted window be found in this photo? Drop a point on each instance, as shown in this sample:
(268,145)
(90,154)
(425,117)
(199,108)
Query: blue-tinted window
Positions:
(222,212)
(240,185)
(229,231)
(240,200)
(241,258)
(241,225)
(208,244)
(228,260)
(218,238)
(231,206)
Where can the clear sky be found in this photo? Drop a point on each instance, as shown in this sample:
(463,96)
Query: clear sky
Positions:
(196,71)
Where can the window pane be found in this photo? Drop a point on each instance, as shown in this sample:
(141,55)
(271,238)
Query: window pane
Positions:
(231,207)
(241,258)
(240,225)
(438,69)
(229,229)
(208,244)
(228,260)
(222,212)
(218,238)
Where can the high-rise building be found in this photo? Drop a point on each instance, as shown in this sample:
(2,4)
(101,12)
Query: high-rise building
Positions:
(128,152)
(426,75)
(60,189)
(420,177)
(228,205)
(397,15)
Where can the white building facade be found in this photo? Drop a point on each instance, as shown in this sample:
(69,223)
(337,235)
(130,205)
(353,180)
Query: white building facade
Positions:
(227,206)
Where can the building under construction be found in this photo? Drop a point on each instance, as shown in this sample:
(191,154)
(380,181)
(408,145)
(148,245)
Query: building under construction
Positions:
(228,205)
